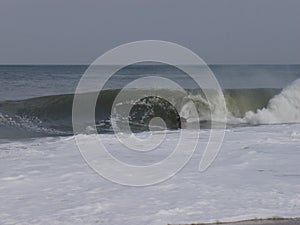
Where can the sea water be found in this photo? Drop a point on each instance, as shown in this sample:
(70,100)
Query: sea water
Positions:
(45,180)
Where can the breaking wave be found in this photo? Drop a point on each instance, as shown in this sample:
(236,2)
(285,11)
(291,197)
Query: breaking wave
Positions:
(282,108)
(52,115)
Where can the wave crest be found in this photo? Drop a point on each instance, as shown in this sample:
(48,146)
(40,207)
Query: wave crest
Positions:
(282,108)
(52,115)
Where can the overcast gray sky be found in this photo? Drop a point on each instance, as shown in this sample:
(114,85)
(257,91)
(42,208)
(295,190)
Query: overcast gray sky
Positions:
(219,31)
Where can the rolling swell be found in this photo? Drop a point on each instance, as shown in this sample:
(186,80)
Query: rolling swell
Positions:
(52,115)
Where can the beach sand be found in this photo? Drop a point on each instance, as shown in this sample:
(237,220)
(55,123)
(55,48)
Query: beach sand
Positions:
(276,221)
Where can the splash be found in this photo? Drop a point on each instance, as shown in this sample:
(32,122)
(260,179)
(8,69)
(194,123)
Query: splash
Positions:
(282,108)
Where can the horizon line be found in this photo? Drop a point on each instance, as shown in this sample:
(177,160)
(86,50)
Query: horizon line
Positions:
(209,64)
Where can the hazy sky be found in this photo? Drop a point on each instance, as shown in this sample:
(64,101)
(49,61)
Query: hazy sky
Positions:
(219,31)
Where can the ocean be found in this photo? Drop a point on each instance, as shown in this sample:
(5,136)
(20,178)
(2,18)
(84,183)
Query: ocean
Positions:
(44,179)
(37,100)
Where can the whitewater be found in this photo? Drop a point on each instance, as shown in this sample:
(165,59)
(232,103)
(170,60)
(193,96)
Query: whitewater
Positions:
(282,108)
(256,175)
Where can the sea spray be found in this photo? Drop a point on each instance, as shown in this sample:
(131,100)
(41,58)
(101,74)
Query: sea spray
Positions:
(282,108)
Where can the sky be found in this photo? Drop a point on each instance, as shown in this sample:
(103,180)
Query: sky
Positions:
(219,31)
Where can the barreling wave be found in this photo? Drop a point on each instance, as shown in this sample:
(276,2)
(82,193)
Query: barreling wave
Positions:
(52,115)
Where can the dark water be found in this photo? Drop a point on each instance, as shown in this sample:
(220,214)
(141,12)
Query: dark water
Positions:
(37,100)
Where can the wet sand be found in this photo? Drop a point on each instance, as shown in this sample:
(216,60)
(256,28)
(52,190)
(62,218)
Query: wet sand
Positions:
(294,221)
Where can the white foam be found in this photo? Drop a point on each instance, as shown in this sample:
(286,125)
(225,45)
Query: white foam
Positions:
(48,182)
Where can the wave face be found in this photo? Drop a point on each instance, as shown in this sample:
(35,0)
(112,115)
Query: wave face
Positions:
(52,115)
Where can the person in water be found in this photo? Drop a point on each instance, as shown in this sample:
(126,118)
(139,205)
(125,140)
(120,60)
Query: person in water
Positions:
(181,122)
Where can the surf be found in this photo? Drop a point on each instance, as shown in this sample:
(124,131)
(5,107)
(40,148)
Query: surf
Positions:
(52,115)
